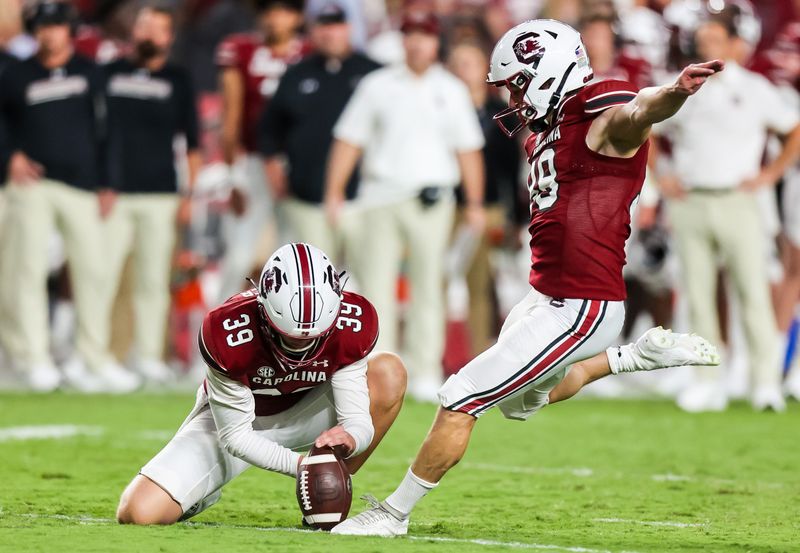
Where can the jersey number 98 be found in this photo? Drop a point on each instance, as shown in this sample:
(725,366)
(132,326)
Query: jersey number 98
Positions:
(544,186)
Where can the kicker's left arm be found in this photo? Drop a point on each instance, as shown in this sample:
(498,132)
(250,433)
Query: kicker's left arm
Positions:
(627,127)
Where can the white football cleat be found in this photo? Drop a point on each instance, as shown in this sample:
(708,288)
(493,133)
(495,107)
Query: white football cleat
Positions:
(792,383)
(43,377)
(425,389)
(703,397)
(660,348)
(379,520)
(154,371)
(768,398)
(80,378)
(118,380)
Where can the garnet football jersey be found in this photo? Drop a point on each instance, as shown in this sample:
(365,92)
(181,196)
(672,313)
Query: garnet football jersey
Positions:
(232,343)
(261,71)
(580,201)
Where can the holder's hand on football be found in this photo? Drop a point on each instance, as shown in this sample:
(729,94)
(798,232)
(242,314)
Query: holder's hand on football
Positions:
(338,439)
(695,75)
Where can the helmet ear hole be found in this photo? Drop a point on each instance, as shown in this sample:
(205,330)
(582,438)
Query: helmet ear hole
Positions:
(547,84)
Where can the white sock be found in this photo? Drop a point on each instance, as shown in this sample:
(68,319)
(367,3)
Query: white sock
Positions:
(408,493)
(621,359)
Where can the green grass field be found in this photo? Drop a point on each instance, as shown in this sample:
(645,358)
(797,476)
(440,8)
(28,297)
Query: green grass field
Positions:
(585,476)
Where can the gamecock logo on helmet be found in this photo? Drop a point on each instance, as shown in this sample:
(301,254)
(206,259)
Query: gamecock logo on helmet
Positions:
(527,49)
(333,279)
(271,281)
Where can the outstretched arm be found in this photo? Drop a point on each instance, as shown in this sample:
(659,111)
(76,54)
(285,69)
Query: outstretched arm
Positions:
(621,130)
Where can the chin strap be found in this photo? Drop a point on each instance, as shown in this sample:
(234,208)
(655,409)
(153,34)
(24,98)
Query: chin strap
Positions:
(540,124)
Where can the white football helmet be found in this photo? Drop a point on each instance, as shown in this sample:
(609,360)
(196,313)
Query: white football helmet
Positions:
(299,296)
(539,61)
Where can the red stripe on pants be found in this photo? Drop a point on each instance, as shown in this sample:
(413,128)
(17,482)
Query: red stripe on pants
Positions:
(541,366)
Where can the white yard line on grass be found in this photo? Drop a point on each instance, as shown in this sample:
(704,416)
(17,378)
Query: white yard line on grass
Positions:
(669,477)
(574,471)
(47,432)
(666,523)
(156,435)
(585,472)
(488,543)
(513,544)
(63,431)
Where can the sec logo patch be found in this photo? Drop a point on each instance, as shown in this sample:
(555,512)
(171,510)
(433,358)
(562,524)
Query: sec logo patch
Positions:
(266,372)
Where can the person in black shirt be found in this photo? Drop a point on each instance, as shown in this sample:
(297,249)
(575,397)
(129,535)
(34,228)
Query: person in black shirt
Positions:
(51,105)
(150,102)
(296,131)
(502,158)
(5,61)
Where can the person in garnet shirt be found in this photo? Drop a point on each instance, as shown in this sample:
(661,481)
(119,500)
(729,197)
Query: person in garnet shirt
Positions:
(250,67)
(290,364)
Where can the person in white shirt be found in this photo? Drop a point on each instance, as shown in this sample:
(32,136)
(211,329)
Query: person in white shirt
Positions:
(419,136)
(718,142)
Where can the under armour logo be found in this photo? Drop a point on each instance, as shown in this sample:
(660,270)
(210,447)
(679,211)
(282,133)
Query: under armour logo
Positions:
(323,363)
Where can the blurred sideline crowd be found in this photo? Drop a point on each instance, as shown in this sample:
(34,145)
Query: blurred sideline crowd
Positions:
(155,153)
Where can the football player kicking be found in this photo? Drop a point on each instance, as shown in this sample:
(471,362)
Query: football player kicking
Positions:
(588,157)
(289,365)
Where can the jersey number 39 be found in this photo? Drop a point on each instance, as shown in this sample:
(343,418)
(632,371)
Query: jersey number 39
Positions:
(543,185)
(349,322)
(238,337)
(242,336)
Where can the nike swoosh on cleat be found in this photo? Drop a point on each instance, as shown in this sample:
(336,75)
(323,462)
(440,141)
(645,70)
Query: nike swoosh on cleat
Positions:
(504,64)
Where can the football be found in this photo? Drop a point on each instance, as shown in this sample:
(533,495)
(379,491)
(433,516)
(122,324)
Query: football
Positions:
(324,489)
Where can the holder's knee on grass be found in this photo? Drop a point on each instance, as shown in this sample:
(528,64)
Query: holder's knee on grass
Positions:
(144,502)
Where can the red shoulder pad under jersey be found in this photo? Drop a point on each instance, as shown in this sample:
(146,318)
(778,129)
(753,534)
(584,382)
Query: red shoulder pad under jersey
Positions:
(230,338)
(598,97)
(356,329)
(234,50)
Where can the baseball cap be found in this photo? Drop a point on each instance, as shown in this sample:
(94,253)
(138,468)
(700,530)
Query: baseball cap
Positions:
(294,5)
(50,12)
(332,12)
(423,21)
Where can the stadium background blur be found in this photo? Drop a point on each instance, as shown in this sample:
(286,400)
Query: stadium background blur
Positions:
(485,274)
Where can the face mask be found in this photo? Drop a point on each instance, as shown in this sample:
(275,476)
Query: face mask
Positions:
(147,49)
